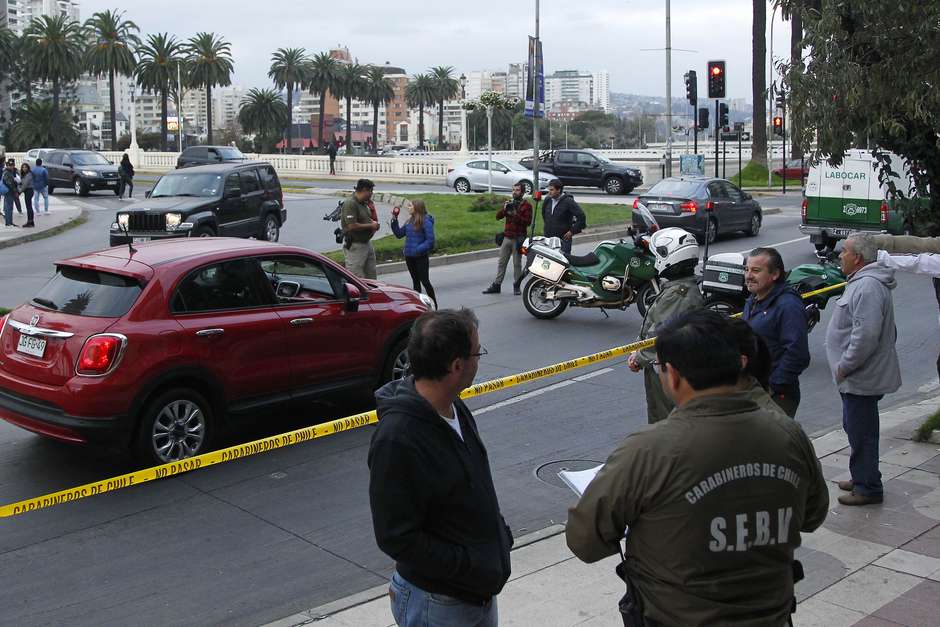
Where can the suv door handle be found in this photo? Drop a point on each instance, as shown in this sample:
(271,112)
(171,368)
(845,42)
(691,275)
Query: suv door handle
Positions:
(297,322)
(209,332)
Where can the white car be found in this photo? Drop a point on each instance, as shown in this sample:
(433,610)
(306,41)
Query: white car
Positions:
(41,153)
(474,176)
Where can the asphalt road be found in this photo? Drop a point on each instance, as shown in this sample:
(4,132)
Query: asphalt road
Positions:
(264,537)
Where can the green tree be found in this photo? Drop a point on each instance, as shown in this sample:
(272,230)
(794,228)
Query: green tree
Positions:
(289,67)
(111,51)
(758,82)
(208,64)
(157,71)
(378,91)
(322,78)
(40,123)
(350,84)
(420,94)
(445,88)
(55,47)
(263,113)
(871,79)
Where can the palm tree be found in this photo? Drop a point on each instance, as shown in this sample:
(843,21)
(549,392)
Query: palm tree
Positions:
(378,92)
(111,50)
(350,84)
(208,64)
(758,82)
(420,93)
(157,70)
(55,47)
(289,70)
(445,88)
(41,124)
(263,113)
(321,78)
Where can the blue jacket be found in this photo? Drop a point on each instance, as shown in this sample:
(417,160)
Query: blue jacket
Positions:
(417,243)
(780,319)
(40,177)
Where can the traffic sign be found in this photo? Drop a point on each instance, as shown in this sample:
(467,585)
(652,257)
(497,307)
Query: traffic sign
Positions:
(729,137)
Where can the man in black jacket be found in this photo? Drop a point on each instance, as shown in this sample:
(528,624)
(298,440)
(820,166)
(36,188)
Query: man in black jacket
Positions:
(561,215)
(434,508)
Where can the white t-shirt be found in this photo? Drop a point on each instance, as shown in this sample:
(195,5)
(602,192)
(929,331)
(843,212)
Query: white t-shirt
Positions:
(453,422)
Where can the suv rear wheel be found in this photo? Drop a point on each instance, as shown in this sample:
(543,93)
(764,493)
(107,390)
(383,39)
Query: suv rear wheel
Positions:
(271,229)
(174,426)
(613,185)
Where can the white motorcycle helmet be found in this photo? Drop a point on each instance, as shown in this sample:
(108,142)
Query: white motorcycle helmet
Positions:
(675,251)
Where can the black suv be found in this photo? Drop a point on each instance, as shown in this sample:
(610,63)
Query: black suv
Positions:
(233,199)
(81,171)
(207,155)
(587,169)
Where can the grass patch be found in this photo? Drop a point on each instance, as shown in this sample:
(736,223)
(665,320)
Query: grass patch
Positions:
(755,175)
(924,431)
(464,223)
(4,311)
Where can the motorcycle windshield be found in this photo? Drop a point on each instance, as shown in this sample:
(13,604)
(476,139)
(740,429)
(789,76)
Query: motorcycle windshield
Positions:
(649,222)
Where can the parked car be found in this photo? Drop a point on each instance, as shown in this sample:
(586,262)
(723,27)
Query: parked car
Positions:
(37,153)
(241,199)
(795,169)
(702,205)
(474,176)
(587,169)
(392,150)
(203,155)
(162,347)
(81,171)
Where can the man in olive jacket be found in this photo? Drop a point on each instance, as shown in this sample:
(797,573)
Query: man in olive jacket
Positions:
(715,496)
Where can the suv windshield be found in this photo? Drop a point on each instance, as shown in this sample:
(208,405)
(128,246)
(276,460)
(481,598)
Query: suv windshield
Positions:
(186,184)
(88,158)
(230,153)
(673,188)
(84,292)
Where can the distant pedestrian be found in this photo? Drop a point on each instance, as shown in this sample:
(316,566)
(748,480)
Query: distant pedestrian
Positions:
(359,226)
(860,345)
(518,215)
(434,508)
(561,215)
(40,185)
(26,188)
(418,232)
(126,172)
(776,313)
(331,151)
(8,190)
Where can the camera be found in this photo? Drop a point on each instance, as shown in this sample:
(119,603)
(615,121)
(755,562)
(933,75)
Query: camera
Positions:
(510,206)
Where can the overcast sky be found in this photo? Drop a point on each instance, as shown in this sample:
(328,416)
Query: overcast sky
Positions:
(479,35)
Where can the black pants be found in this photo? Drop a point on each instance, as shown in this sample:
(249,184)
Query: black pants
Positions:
(332,165)
(28,198)
(418,269)
(126,183)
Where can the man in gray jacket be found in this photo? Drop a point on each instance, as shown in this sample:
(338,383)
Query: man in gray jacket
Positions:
(860,348)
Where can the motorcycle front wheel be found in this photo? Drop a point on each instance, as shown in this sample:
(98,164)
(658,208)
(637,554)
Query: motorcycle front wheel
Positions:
(533,295)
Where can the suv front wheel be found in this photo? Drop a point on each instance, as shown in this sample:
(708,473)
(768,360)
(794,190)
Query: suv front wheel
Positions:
(80,188)
(271,228)
(174,426)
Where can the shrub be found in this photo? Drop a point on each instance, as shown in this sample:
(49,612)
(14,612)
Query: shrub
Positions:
(487,203)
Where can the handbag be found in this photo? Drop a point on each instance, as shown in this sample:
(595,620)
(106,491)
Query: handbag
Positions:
(499,238)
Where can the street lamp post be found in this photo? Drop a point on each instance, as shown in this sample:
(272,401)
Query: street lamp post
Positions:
(489,148)
(770,97)
(134,147)
(463,114)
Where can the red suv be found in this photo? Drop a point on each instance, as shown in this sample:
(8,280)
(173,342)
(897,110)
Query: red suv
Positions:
(156,346)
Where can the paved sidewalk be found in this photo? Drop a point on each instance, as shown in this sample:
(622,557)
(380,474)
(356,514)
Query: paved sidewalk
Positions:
(867,566)
(60,212)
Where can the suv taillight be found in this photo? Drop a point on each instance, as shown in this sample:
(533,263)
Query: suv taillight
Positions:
(803,207)
(884,211)
(689,207)
(100,354)
(636,203)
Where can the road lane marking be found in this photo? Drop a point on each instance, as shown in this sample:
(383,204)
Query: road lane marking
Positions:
(789,241)
(540,391)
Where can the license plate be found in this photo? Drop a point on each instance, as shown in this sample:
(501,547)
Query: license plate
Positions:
(842,232)
(660,207)
(112,183)
(30,345)
(140,240)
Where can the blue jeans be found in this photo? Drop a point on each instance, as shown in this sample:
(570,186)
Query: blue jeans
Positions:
(414,607)
(44,192)
(861,423)
(8,209)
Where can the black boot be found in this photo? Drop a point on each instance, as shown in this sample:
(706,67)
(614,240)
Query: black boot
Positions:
(492,289)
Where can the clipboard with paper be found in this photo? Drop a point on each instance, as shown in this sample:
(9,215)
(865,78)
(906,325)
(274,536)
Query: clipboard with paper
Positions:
(578,480)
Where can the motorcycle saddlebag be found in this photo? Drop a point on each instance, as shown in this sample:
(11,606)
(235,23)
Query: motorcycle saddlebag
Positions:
(724,273)
(548,264)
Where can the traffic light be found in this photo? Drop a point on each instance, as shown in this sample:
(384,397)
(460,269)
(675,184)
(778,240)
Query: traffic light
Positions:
(691,87)
(781,100)
(722,114)
(716,79)
(778,125)
(703,117)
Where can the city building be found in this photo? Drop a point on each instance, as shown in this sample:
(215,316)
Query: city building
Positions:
(568,86)
(601,90)
(95,128)
(515,80)
(17,14)
(396,111)
(226,102)
(481,81)
(194,111)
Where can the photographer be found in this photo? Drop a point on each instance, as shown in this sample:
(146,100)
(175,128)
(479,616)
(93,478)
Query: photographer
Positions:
(518,214)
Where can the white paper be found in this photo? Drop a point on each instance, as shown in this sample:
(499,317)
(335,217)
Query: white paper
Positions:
(578,480)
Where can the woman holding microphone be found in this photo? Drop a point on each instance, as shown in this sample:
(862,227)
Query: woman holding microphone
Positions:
(418,232)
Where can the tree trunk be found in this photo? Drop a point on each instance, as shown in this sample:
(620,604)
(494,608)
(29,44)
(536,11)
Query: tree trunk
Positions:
(55,97)
(375,126)
(440,127)
(164,97)
(209,114)
(320,124)
(114,137)
(290,117)
(759,83)
(796,56)
(348,126)
(421,126)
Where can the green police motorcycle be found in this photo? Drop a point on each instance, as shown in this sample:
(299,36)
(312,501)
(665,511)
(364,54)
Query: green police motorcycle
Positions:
(615,275)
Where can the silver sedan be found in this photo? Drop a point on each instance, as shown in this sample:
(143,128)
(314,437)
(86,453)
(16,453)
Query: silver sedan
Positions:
(474,176)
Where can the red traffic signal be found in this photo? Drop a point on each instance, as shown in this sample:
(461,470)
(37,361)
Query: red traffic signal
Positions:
(716,79)
(778,125)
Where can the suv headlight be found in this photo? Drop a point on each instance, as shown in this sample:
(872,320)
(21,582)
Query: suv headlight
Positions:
(123,221)
(89,173)
(173,220)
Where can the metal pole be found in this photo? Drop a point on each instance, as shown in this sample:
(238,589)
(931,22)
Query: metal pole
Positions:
(770,98)
(783,130)
(489,149)
(739,157)
(724,159)
(668,90)
(695,125)
(179,105)
(716,137)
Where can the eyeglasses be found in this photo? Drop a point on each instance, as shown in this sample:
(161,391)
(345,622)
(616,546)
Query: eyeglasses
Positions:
(482,352)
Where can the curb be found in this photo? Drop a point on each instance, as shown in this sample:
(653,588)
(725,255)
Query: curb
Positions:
(70,223)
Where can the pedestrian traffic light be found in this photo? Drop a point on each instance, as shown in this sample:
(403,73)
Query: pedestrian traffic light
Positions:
(722,114)
(781,100)
(703,117)
(778,125)
(691,87)
(716,79)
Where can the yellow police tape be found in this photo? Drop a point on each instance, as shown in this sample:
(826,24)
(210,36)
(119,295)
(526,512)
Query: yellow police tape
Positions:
(308,433)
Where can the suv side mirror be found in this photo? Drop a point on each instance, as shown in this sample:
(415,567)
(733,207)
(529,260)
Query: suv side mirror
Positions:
(351,295)
(148,193)
(747,196)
